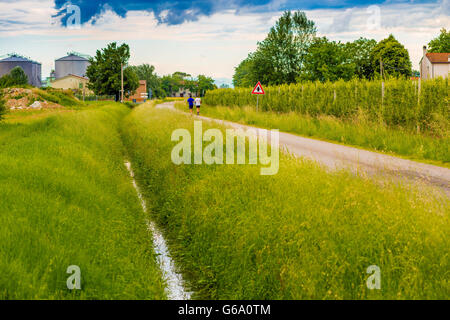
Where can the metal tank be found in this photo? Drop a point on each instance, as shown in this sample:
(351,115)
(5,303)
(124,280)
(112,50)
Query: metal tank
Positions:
(72,64)
(31,68)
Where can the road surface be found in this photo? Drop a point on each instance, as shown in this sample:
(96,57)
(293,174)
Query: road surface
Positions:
(335,156)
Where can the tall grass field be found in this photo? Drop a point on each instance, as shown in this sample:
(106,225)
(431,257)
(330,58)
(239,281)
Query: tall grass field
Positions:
(304,233)
(66,199)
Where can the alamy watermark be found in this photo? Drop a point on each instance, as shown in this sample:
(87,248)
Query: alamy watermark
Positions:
(374,19)
(69,15)
(258,142)
(374,281)
(74,280)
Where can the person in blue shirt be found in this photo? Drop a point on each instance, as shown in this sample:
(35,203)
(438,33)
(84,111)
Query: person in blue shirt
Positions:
(191,103)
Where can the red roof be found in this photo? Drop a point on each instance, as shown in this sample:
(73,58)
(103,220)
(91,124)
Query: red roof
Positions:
(438,57)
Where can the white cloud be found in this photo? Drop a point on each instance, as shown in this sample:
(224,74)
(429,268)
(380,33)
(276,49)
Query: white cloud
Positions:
(212,45)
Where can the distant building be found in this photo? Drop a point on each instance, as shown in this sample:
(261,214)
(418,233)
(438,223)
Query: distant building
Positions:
(72,82)
(138,97)
(73,64)
(183,92)
(31,68)
(434,65)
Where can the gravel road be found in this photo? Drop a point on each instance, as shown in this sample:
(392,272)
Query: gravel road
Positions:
(335,156)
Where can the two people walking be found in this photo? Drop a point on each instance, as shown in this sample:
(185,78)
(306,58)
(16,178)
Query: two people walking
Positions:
(197,101)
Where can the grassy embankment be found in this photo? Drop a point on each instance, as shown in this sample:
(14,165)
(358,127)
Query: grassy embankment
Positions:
(301,234)
(66,199)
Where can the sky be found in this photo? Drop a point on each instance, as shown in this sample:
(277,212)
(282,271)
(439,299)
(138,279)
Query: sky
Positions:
(208,37)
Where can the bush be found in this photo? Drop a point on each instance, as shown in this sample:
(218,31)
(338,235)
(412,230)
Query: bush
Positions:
(16,77)
(62,97)
(130,104)
(2,106)
(6,81)
(19,76)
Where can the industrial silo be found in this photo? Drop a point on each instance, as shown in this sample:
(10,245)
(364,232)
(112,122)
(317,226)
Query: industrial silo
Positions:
(32,68)
(75,64)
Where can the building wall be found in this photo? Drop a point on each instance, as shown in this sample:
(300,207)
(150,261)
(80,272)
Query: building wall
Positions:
(65,67)
(441,70)
(182,92)
(141,89)
(31,69)
(426,69)
(430,70)
(72,83)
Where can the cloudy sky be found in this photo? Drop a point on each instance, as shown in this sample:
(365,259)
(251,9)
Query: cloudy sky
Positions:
(202,37)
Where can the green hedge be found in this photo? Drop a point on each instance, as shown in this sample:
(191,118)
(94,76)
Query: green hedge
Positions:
(401,104)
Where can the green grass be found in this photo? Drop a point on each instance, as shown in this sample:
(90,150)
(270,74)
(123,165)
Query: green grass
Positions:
(358,132)
(62,97)
(66,199)
(301,234)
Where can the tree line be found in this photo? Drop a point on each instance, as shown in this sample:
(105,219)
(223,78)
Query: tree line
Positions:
(104,75)
(292,52)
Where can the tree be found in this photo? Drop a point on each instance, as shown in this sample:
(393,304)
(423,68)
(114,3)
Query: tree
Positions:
(243,75)
(440,43)
(104,72)
(327,61)
(147,72)
(19,76)
(279,58)
(204,84)
(358,52)
(394,57)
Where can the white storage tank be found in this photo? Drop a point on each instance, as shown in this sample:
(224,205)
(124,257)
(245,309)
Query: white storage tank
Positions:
(73,63)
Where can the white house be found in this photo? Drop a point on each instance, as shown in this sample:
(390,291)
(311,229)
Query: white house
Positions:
(434,65)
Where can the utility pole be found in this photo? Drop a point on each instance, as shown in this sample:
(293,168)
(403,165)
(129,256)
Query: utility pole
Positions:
(121,77)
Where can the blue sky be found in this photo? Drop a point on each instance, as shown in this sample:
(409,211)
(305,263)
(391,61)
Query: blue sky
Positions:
(202,37)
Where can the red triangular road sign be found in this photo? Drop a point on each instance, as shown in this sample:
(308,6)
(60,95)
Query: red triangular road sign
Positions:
(258,89)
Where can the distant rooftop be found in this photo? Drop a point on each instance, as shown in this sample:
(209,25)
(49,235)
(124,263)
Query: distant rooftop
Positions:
(439,57)
(14,57)
(74,56)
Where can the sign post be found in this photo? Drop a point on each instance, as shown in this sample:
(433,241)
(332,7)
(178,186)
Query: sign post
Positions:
(144,96)
(258,90)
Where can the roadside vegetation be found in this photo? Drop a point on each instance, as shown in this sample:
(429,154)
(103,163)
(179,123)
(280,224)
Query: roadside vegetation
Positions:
(67,199)
(403,121)
(304,233)
(357,131)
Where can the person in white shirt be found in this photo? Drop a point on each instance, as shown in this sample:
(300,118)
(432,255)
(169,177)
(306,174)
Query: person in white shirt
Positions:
(198,102)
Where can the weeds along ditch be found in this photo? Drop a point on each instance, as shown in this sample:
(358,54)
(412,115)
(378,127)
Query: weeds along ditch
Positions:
(304,233)
(66,199)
